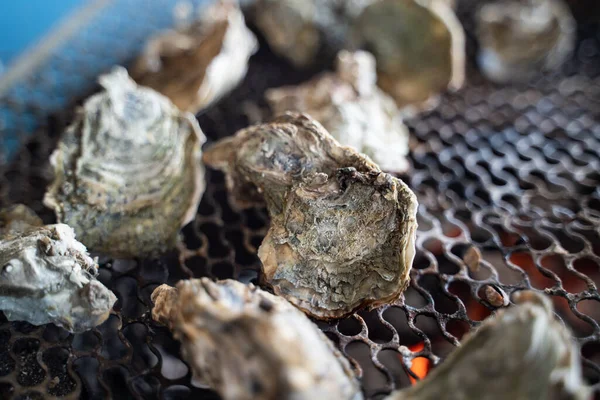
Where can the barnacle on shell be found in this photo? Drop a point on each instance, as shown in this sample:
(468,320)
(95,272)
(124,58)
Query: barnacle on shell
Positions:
(419,46)
(518,39)
(127,171)
(46,276)
(342,232)
(352,108)
(227,324)
(521,352)
(201,61)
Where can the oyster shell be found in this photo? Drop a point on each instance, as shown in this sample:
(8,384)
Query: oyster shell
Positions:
(342,232)
(518,39)
(200,62)
(46,276)
(18,218)
(521,352)
(419,46)
(127,171)
(352,108)
(227,324)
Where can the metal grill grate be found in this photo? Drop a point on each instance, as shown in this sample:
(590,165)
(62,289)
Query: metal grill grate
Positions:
(511,171)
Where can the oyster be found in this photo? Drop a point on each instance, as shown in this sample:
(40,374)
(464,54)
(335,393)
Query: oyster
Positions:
(419,46)
(201,61)
(342,232)
(352,108)
(127,171)
(519,38)
(46,276)
(521,352)
(225,325)
(17,219)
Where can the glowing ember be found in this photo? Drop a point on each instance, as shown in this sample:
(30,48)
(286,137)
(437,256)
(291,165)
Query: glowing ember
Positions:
(420,365)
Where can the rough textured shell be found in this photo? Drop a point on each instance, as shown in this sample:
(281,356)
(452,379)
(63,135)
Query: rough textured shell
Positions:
(419,47)
(519,39)
(342,232)
(18,218)
(521,352)
(200,62)
(352,108)
(46,276)
(127,171)
(227,324)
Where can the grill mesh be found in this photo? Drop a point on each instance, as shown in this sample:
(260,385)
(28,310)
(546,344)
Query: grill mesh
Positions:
(509,171)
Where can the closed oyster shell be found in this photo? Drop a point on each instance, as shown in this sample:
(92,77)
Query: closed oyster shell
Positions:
(227,324)
(518,39)
(127,171)
(521,352)
(342,232)
(419,46)
(198,63)
(46,276)
(352,108)
(18,218)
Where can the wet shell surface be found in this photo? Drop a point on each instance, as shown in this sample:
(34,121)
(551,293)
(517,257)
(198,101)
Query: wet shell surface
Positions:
(46,276)
(521,352)
(202,60)
(342,232)
(225,325)
(128,174)
(352,108)
(518,39)
(419,47)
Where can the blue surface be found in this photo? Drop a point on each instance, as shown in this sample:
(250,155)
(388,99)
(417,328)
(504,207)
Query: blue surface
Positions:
(24,22)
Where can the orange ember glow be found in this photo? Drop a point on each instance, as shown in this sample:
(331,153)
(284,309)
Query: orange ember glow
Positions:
(420,365)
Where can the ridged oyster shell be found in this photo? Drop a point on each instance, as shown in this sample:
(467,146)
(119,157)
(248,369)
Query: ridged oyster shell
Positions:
(521,352)
(518,39)
(419,46)
(128,174)
(352,108)
(342,232)
(46,276)
(201,61)
(248,344)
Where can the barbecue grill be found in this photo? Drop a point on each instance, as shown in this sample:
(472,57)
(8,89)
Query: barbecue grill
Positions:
(508,183)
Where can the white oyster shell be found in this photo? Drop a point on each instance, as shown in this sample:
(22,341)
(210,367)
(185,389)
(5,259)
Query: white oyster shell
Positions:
(248,344)
(46,276)
(342,232)
(521,352)
(201,61)
(518,39)
(352,108)
(128,174)
(419,46)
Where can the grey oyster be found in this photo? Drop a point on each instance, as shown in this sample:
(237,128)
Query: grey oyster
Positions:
(342,232)
(300,29)
(46,276)
(17,219)
(352,108)
(225,325)
(128,174)
(419,46)
(201,61)
(521,352)
(518,39)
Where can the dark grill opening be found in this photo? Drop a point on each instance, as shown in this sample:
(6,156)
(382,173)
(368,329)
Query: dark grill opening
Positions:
(507,180)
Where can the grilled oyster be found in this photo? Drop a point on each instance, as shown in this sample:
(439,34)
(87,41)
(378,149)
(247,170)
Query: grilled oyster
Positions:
(521,352)
(342,232)
(18,218)
(227,324)
(419,46)
(46,276)
(200,62)
(127,171)
(518,39)
(352,108)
